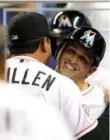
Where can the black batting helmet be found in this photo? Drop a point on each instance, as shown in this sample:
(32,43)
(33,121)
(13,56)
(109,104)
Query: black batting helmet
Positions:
(89,38)
(67,21)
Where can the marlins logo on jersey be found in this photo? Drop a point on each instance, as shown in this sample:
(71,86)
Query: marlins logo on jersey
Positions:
(64,22)
(88,38)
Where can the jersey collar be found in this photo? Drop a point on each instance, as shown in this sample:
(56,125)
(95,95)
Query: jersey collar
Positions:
(87,90)
(25,57)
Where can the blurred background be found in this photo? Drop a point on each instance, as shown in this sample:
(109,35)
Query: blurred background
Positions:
(96,10)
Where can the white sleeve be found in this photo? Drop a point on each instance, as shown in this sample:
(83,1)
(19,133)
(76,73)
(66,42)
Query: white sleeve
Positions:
(74,110)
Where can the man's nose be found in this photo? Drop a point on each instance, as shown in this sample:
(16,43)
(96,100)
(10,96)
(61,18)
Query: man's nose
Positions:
(74,59)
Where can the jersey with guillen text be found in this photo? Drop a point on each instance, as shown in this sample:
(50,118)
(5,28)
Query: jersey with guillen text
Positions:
(62,92)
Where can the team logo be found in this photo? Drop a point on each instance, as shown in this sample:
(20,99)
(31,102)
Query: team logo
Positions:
(88,38)
(14,37)
(86,109)
(64,22)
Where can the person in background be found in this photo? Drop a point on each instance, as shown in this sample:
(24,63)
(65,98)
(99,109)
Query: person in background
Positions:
(78,57)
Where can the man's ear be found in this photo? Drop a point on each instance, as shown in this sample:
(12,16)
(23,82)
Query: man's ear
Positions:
(91,70)
(45,44)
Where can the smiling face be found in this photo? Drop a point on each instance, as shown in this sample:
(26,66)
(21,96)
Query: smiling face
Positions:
(74,62)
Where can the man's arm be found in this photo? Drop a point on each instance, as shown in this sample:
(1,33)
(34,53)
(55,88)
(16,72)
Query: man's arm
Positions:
(101,132)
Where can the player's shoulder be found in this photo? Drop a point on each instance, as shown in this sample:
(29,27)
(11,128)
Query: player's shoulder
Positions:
(9,60)
(93,91)
(98,89)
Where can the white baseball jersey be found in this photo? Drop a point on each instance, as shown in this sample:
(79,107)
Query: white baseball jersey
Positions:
(94,102)
(24,117)
(28,73)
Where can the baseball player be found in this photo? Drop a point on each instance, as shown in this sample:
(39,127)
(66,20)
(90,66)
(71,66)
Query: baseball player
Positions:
(78,57)
(30,49)
(22,115)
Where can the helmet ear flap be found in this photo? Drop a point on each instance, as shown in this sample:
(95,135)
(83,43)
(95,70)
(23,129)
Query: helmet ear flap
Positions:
(60,49)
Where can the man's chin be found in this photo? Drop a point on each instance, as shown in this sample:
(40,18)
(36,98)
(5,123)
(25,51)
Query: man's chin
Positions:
(72,76)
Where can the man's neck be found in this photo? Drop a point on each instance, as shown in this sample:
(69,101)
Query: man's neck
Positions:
(81,84)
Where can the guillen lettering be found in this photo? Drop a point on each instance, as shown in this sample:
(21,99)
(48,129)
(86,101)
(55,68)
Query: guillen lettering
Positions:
(40,79)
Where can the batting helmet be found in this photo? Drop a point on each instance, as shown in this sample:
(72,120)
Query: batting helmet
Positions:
(67,21)
(89,38)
